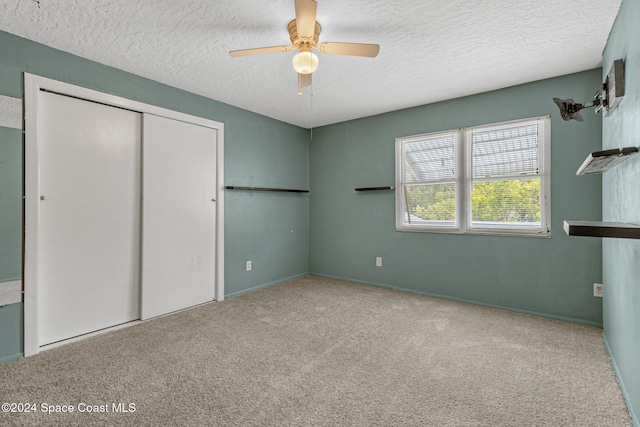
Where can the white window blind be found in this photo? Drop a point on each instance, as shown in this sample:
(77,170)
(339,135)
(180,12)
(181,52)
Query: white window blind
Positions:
(506,151)
(430,158)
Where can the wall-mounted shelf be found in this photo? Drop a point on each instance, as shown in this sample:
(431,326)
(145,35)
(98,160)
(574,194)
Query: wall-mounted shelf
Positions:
(287,190)
(373,188)
(601,161)
(619,230)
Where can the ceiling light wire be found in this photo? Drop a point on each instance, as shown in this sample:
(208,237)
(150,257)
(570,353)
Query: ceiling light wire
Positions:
(311,114)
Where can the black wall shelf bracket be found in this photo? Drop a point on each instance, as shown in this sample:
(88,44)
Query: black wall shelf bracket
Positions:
(286,190)
(373,188)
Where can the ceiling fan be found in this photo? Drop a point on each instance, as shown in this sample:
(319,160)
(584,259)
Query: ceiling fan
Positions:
(304,32)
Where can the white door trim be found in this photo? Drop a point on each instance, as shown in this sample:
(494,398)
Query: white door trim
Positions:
(33,85)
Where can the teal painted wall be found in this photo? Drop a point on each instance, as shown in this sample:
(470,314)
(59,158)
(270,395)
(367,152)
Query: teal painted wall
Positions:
(10,204)
(551,277)
(11,333)
(11,190)
(621,203)
(271,230)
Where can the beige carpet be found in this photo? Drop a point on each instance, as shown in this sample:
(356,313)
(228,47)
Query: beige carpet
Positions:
(320,352)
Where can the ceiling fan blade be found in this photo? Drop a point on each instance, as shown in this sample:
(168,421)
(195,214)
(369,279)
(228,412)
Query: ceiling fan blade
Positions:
(353,49)
(304,80)
(260,50)
(306,17)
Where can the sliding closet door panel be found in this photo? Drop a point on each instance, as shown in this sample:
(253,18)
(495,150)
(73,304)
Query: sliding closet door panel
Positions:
(89,276)
(179,188)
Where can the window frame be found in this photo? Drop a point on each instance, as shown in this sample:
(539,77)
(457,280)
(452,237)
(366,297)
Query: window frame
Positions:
(463,177)
(400,197)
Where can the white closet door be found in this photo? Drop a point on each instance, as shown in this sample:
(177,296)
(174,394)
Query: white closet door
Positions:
(89,245)
(178,231)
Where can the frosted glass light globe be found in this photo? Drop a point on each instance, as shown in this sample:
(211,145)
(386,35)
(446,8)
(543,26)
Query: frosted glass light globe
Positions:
(305,62)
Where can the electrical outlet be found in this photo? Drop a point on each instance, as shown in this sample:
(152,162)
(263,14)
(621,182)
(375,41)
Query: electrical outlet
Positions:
(248,265)
(598,290)
(378,261)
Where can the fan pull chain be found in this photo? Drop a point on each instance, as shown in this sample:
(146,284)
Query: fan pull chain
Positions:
(311,118)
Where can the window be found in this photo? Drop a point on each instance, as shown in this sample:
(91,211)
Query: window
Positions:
(486,179)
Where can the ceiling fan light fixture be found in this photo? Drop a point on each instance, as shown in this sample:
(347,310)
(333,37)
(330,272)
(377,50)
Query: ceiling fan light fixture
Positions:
(305,61)
(304,31)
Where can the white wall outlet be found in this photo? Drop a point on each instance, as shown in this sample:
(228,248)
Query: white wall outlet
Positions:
(248,265)
(598,290)
(378,261)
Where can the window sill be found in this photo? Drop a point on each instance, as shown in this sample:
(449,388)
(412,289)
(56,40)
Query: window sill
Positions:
(484,232)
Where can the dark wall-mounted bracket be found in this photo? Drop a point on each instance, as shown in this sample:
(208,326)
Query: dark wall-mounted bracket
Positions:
(618,230)
(286,190)
(607,97)
(373,188)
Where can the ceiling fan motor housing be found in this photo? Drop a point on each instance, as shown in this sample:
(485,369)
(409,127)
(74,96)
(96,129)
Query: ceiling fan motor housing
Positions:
(298,41)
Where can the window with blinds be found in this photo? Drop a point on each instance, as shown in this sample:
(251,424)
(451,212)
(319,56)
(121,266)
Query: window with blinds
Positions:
(429,179)
(506,180)
(485,179)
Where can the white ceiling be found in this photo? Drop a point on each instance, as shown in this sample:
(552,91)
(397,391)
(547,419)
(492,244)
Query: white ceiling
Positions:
(430,50)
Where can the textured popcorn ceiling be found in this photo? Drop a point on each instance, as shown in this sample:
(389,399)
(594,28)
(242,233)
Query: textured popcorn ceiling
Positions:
(431,50)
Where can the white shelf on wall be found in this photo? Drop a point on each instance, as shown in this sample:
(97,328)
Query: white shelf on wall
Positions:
(599,162)
(602,161)
(618,230)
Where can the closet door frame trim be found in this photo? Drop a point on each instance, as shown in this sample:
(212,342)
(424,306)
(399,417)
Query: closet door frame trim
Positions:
(33,86)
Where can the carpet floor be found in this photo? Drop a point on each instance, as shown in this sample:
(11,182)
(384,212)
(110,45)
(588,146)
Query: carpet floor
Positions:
(321,352)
